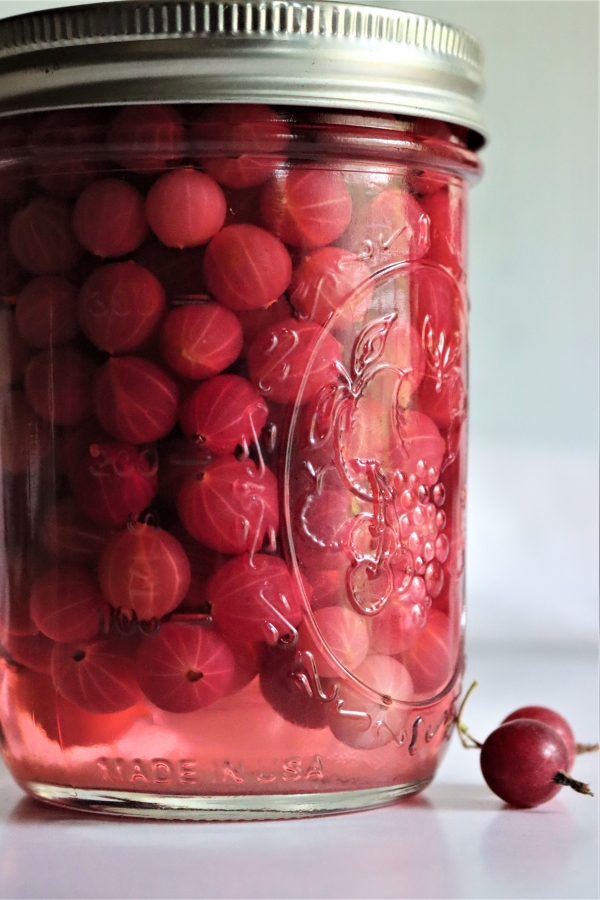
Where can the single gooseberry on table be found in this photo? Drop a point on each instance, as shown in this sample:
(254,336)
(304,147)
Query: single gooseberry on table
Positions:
(520,759)
(58,385)
(554,720)
(109,218)
(135,400)
(306,208)
(144,571)
(230,506)
(185,667)
(199,340)
(146,139)
(223,413)
(67,605)
(246,267)
(254,598)
(41,237)
(250,137)
(373,724)
(98,677)
(185,208)
(293,360)
(114,482)
(46,311)
(120,306)
(329,281)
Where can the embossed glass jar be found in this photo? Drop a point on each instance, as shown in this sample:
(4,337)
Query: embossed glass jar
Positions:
(233,404)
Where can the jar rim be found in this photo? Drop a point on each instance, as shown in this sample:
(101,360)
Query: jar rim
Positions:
(285,52)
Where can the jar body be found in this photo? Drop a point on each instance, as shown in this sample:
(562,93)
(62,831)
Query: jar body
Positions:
(233,456)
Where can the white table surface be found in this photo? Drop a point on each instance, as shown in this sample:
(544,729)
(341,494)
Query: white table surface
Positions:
(455,840)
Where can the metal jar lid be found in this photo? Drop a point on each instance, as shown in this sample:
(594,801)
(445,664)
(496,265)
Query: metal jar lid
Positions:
(325,54)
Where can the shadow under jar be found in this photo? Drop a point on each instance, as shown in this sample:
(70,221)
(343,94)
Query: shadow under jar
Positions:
(233,371)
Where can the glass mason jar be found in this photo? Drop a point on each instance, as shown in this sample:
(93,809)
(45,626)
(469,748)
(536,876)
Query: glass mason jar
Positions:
(233,404)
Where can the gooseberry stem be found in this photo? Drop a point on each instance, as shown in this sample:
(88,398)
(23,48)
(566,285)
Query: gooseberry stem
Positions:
(466,739)
(566,781)
(587,748)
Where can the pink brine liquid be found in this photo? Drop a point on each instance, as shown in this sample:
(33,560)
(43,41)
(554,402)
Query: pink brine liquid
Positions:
(233,418)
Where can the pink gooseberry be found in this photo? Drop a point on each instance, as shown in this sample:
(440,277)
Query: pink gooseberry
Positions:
(67,605)
(246,268)
(70,537)
(62,145)
(109,218)
(98,677)
(343,632)
(135,400)
(306,207)
(114,482)
(328,281)
(199,340)
(223,413)
(146,138)
(185,208)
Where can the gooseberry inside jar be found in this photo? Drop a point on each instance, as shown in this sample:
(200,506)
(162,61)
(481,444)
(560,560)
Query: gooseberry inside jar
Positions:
(241,426)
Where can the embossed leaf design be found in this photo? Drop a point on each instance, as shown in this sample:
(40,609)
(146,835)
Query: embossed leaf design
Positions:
(371,344)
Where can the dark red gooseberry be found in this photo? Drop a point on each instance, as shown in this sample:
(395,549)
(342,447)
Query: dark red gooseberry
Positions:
(135,400)
(15,353)
(391,228)
(363,723)
(98,677)
(46,311)
(34,651)
(245,267)
(343,632)
(204,562)
(247,659)
(306,208)
(120,306)
(179,271)
(42,239)
(286,693)
(429,660)
(109,218)
(185,208)
(223,413)
(24,438)
(70,537)
(231,506)
(199,340)
(60,145)
(255,599)
(146,138)
(520,759)
(66,605)
(293,360)
(58,385)
(445,209)
(554,720)
(185,667)
(115,482)
(329,281)
(245,136)
(144,571)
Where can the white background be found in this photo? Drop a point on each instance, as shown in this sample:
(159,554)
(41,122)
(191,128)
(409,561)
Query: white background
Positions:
(533,535)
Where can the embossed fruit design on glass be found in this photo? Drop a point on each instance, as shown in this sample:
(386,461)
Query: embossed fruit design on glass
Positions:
(233,368)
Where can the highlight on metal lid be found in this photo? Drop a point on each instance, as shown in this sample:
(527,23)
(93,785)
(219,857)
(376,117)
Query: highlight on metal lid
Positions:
(325,54)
